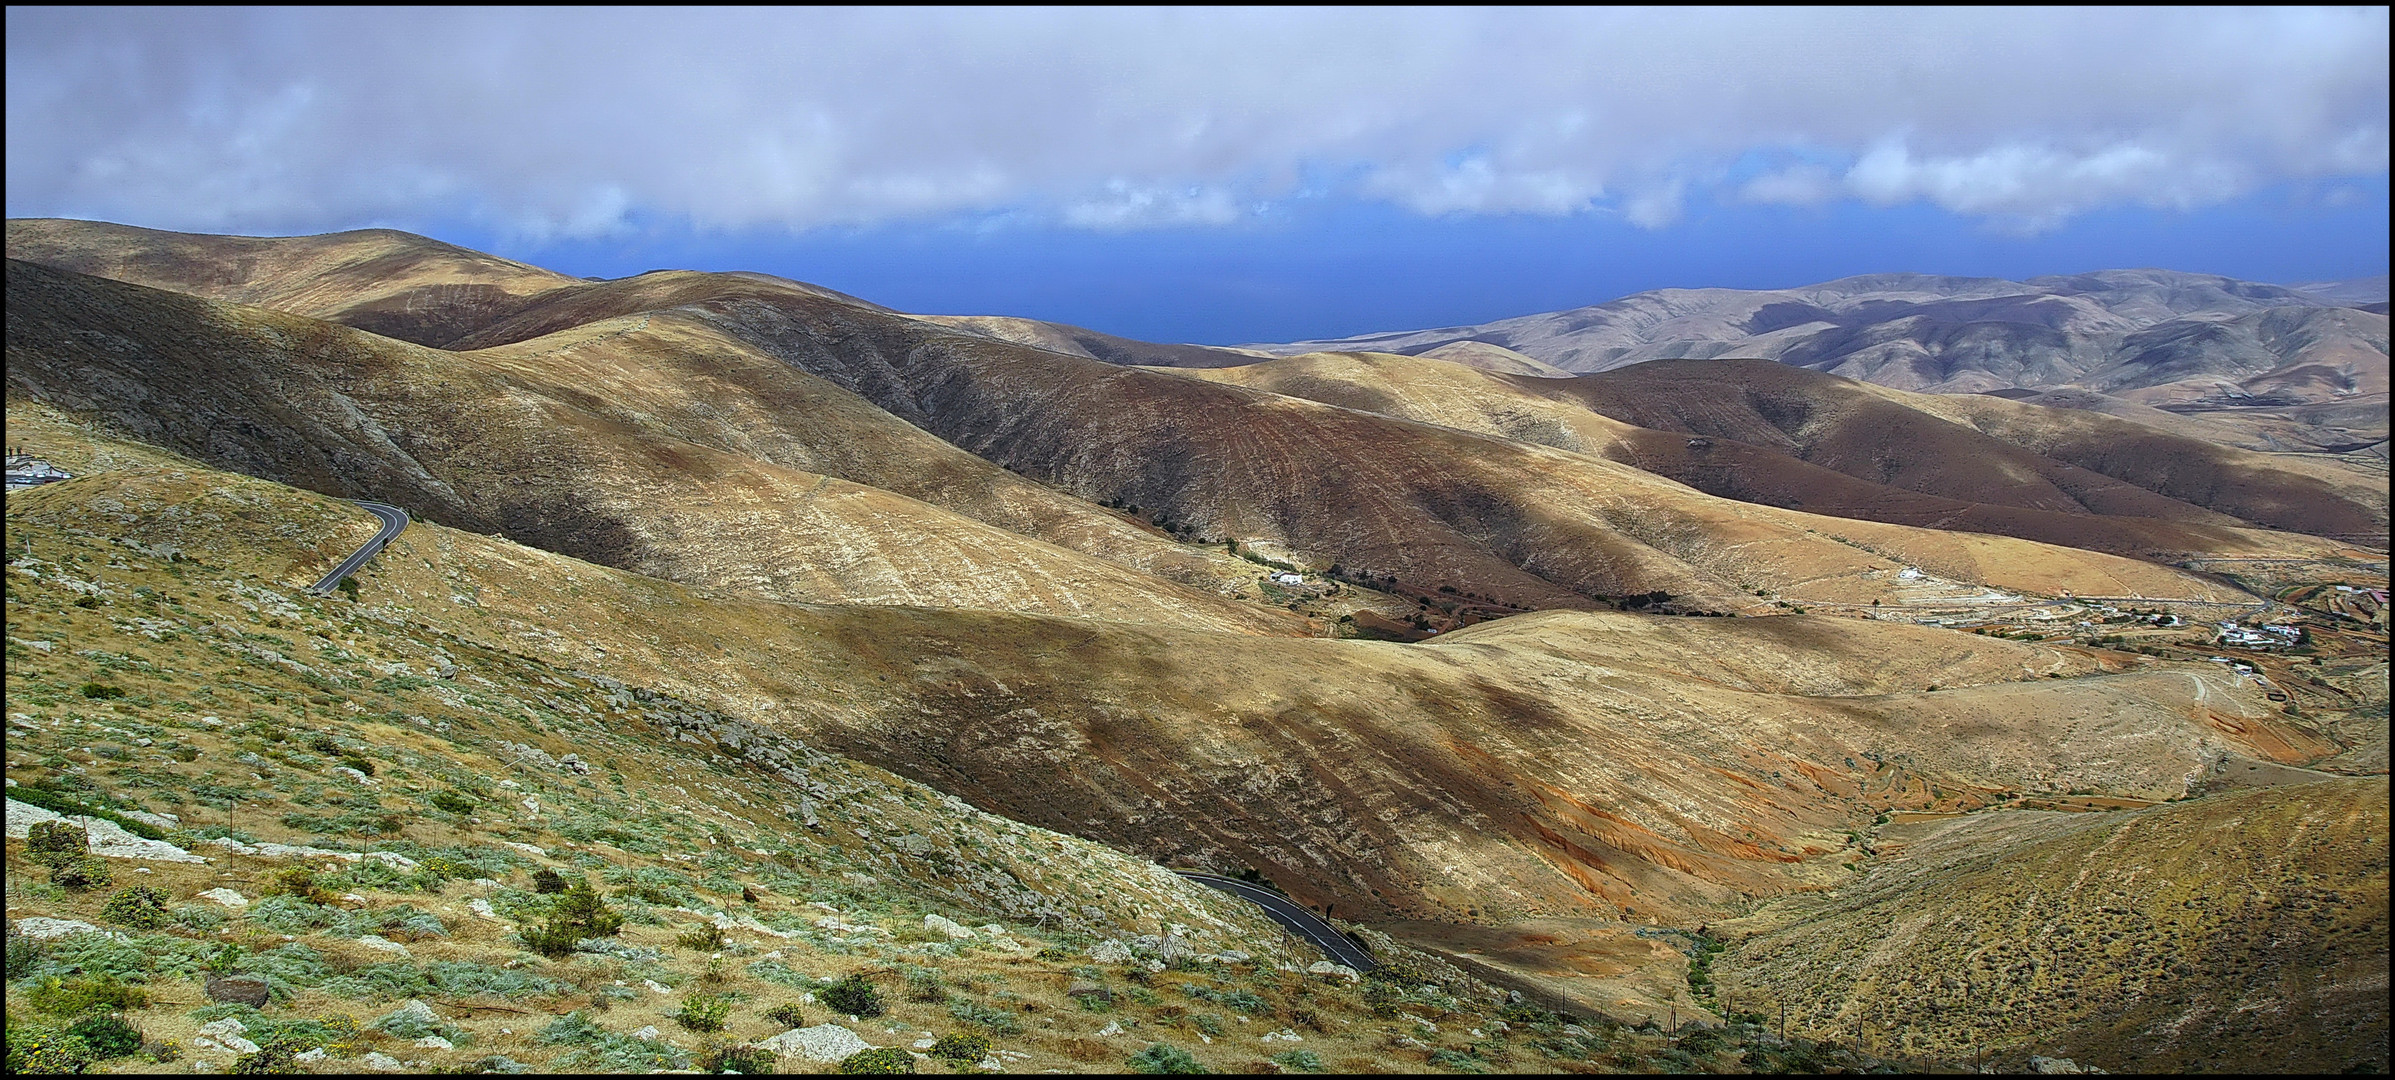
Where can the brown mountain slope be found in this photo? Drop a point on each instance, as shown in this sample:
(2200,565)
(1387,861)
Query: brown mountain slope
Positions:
(2006,452)
(2178,938)
(1551,414)
(1378,496)
(1081,341)
(655,447)
(1561,763)
(393,283)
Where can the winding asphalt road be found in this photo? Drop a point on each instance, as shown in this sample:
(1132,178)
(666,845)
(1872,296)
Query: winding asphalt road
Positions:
(393,519)
(1293,915)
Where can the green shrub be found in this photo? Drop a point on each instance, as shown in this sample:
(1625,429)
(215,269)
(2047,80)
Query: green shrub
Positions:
(572,1029)
(923,985)
(886,1060)
(1459,1061)
(83,994)
(271,1058)
(957,1046)
(101,691)
(54,843)
(991,1017)
(298,882)
(702,1011)
(361,764)
(454,802)
(577,913)
(24,955)
(140,907)
(83,874)
(36,1049)
(1162,1059)
(705,937)
(1298,1060)
(741,1058)
(547,881)
(108,1035)
(853,995)
(787,1014)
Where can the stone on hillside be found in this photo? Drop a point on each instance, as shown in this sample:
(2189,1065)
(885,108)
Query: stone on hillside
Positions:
(413,1016)
(42,929)
(1110,951)
(227,897)
(1325,967)
(382,1062)
(2059,1066)
(224,1035)
(106,838)
(247,990)
(433,1042)
(824,1044)
(940,925)
(648,1033)
(379,943)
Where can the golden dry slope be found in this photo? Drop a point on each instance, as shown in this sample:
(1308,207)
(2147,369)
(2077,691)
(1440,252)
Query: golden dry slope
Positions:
(2239,932)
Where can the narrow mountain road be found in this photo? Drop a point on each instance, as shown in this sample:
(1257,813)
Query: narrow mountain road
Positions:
(393,519)
(1289,913)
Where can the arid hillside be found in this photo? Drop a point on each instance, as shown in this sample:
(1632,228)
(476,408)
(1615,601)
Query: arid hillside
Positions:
(2151,335)
(2178,938)
(694,461)
(1379,497)
(1784,437)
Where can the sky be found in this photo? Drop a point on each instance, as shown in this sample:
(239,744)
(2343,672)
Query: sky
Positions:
(1236,175)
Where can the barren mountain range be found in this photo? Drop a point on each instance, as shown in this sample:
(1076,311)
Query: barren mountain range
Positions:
(2193,343)
(1701,624)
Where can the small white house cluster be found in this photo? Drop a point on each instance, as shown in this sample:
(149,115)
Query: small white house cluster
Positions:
(2273,635)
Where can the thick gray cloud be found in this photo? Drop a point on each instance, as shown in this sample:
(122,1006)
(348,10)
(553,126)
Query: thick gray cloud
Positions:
(565,123)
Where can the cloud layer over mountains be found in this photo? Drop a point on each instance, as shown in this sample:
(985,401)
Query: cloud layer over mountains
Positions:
(585,123)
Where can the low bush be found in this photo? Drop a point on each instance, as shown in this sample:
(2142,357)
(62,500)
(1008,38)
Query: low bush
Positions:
(854,995)
(787,1014)
(885,1061)
(298,882)
(547,881)
(36,1049)
(577,913)
(108,1035)
(82,994)
(705,937)
(1298,1061)
(740,1058)
(81,874)
(140,907)
(1162,1059)
(24,955)
(454,802)
(991,1017)
(703,1011)
(52,843)
(957,1046)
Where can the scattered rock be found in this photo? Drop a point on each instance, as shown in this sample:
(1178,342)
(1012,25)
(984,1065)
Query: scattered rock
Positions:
(227,897)
(824,1044)
(41,929)
(1325,967)
(435,1042)
(482,907)
(1113,1027)
(2054,1066)
(647,1033)
(106,838)
(1110,951)
(380,943)
(656,987)
(954,930)
(1283,1035)
(247,990)
(312,1054)
(991,1064)
(414,1014)
(381,1062)
(224,1036)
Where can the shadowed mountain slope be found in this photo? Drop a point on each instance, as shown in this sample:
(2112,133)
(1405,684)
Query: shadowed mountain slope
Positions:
(1835,456)
(1564,762)
(643,444)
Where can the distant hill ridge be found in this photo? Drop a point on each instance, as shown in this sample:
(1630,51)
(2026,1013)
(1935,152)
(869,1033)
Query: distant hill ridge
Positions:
(2159,337)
